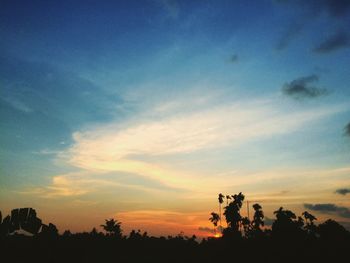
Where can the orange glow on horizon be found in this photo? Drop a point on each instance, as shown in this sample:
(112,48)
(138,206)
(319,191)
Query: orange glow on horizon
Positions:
(217,235)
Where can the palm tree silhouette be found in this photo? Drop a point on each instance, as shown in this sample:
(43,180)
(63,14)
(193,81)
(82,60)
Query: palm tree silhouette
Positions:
(112,227)
(246,225)
(221,200)
(258,219)
(232,212)
(214,219)
(309,217)
(282,214)
(228,197)
(287,225)
(310,226)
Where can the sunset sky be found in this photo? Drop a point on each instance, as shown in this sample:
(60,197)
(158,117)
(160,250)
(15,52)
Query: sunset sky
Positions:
(145,110)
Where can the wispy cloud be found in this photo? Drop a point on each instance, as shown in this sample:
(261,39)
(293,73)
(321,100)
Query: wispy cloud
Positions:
(347,129)
(66,185)
(234,58)
(206,229)
(329,209)
(210,230)
(300,88)
(171,7)
(130,147)
(333,43)
(80,183)
(343,191)
(17,104)
(335,9)
(47,152)
(288,35)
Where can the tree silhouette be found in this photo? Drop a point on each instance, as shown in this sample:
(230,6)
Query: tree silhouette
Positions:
(228,197)
(310,226)
(254,229)
(247,227)
(3,230)
(214,219)
(49,231)
(330,242)
(258,218)
(309,217)
(232,212)
(67,233)
(287,225)
(221,200)
(332,231)
(113,228)
(94,232)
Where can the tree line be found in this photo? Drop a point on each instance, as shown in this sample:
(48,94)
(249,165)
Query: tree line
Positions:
(287,225)
(25,238)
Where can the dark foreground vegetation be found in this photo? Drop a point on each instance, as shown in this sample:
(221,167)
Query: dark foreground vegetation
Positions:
(24,238)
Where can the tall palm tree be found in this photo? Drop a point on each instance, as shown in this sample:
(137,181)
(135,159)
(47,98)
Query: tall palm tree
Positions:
(214,219)
(221,200)
(228,197)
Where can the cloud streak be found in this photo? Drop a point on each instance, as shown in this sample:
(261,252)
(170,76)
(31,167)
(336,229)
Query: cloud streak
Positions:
(206,229)
(234,58)
(290,33)
(347,129)
(335,9)
(329,209)
(300,88)
(80,183)
(343,191)
(137,147)
(333,43)
(171,7)
(17,104)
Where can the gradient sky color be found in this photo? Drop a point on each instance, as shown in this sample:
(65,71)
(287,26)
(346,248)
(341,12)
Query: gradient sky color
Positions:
(145,110)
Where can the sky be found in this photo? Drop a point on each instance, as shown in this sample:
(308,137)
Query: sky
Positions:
(144,111)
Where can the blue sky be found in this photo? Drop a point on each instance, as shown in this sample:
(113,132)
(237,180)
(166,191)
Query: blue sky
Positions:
(119,106)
